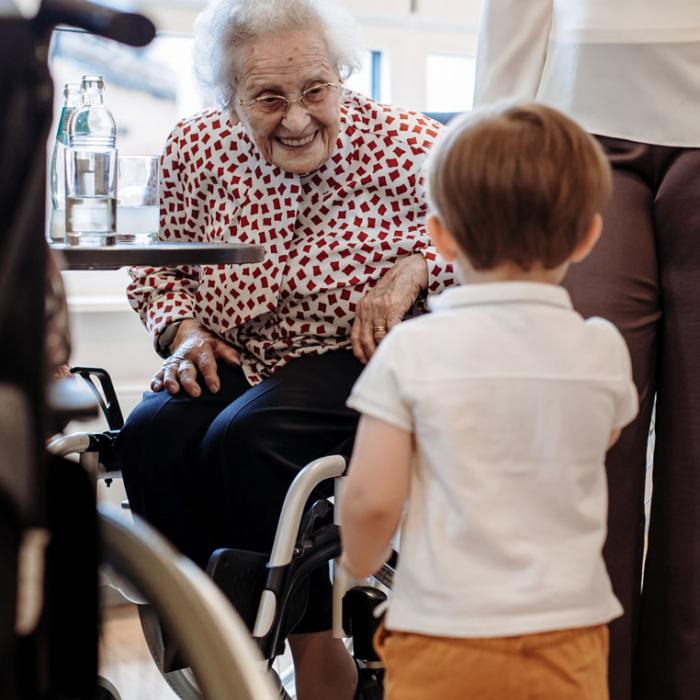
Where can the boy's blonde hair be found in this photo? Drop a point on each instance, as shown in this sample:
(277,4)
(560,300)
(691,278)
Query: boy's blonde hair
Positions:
(517,183)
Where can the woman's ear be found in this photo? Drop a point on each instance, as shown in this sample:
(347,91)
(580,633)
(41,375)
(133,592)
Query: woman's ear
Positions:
(589,240)
(233,116)
(442,239)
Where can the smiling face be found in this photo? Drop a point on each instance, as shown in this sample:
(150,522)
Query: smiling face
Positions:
(300,139)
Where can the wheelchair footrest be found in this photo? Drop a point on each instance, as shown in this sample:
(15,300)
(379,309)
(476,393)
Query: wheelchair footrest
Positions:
(241,575)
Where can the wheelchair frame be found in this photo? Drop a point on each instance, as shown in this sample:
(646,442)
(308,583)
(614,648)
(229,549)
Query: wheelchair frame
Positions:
(211,635)
(292,558)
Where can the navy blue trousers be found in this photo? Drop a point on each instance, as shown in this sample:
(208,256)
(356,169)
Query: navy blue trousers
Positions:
(213,471)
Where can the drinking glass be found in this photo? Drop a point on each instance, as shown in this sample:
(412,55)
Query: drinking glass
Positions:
(137,200)
(91,203)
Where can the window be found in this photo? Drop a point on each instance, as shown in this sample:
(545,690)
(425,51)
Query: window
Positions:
(450,83)
(372,79)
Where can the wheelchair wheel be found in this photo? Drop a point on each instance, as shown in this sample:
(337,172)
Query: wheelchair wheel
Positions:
(181,681)
(224,661)
(105,690)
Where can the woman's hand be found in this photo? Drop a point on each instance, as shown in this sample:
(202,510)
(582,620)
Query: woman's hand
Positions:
(386,304)
(194,349)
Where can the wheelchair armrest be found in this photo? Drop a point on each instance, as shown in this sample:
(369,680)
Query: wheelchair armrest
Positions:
(105,395)
(308,478)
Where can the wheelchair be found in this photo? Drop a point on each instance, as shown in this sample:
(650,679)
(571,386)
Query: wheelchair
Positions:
(268,591)
(209,635)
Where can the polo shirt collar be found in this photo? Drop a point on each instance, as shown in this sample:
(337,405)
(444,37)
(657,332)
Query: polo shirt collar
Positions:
(501,293)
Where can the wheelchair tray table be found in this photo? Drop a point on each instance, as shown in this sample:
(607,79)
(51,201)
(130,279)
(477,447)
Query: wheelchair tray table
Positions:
(113,257)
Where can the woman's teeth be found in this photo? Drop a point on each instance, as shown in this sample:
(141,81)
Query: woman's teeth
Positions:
(296,143)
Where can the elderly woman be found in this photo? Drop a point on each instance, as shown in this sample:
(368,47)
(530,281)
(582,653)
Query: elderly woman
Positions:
(261,358)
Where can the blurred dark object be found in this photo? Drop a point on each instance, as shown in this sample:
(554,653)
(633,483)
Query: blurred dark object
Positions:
(25,119)
(124,27)
(39,497)
(71,582)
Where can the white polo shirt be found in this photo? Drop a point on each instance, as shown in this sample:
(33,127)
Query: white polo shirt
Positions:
(512,398)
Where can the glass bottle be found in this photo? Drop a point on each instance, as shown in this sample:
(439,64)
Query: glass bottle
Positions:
(91,169)
(57,169)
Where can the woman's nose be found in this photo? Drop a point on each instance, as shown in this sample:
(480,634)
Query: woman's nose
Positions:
(297,118)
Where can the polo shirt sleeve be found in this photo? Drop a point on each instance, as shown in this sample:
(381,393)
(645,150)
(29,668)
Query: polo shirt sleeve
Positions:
(378,391)
(628,400)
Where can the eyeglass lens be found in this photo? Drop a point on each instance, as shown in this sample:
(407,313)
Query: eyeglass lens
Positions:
(312,96)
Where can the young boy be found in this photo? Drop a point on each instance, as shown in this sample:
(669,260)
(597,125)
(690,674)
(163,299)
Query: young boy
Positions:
(491,417)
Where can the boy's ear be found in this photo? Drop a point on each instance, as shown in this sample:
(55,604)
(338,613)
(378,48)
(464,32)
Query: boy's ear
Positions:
(442,239)
(588,242)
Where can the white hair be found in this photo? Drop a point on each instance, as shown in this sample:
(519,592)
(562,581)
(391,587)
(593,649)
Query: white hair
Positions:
(224,26)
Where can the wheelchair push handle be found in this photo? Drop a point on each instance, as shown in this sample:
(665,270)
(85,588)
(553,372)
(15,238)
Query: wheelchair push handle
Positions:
(125,27)
(106,395)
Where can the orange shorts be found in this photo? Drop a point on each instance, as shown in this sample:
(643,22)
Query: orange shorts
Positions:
(563,665)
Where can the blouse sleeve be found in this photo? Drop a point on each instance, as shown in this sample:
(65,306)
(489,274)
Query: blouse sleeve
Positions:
(512,48)
(162,295)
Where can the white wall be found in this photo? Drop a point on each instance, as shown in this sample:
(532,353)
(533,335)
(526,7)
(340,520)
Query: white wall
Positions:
(107,333)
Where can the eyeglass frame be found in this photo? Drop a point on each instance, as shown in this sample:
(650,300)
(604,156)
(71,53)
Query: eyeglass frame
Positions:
(256,101)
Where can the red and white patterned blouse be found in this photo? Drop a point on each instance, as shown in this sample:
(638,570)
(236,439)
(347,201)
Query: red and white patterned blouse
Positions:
(329,235)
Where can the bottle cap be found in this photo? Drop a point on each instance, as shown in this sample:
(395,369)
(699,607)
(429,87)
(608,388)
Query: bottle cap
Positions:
(71,90)
(92,81)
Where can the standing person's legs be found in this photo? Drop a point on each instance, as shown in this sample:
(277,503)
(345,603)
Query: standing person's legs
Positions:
(618,281)
(669,656)
(250,456)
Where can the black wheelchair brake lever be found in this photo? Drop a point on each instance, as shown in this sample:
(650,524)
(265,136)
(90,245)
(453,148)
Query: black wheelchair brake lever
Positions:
(107,397)
(319,511)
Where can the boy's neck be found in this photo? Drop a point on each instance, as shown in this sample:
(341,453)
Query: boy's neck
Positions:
(510,272)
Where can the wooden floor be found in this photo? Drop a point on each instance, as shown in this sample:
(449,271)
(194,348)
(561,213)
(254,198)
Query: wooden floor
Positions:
(125,660)
(127,664)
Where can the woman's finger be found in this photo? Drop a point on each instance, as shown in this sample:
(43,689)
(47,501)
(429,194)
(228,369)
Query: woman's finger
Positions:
(157,381)
(367,339)
(357,350)
(393,319)
(379,334)
(169,370)
(187,375)
(227,353)
(206,363)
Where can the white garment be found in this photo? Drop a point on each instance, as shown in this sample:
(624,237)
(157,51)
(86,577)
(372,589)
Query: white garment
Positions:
(511,397)
(622,68)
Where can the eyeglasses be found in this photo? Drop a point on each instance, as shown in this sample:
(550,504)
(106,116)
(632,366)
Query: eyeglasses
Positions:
(314,96)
